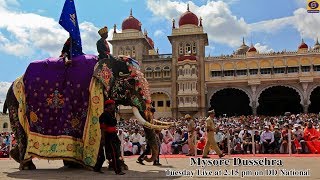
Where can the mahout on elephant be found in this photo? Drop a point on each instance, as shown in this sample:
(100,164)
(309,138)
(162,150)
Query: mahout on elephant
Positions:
(54,109)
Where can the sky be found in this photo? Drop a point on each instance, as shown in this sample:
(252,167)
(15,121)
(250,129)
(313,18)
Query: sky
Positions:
(29,30)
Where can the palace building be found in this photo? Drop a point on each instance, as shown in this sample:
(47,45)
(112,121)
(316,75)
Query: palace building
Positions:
(242,83)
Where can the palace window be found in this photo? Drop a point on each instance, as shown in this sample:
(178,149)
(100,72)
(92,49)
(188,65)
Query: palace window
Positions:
(5,125)
(279,70)
(157,72)
(242,72)
(293,69)
(305,68)
(148,72)
(121,52)
(160,103)
(168,103)
(265,71)
(253,71)
(216,73)
(128,51)
(316,68)
(228,73)
(187,49)
(194,48)
(180,49)
(166,71)
(133,51)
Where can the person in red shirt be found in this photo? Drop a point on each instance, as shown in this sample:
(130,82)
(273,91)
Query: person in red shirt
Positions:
(200,145)
(311,136)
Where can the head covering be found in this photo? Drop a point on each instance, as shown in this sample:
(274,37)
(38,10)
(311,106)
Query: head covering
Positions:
(109,101)
(296,125)
(276,127)
(266,127)
(103,30)
(211,111)
(187,116)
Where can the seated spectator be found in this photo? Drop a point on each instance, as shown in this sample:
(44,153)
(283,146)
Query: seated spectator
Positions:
(200,145)
(237,144)
(298,141)
(247,142)
(284,143)
(166,144)
(135,139)
(267,139)
(127,147)
(257,141)
(176,143)
(219,137)
(277,139)
(312,138)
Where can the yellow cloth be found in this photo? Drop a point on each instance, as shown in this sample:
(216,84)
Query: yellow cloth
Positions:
(83,150)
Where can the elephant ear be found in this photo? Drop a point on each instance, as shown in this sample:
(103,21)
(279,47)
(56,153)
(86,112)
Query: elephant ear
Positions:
(102,71)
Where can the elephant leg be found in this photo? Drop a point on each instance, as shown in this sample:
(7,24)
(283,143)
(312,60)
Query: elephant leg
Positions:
(18,152)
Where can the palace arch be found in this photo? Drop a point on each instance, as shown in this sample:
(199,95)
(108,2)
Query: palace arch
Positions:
(314,107)
(276,100)
(230,101)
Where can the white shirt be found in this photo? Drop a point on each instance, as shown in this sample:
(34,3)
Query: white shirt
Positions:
(219,137)
(135,137)
(267,135)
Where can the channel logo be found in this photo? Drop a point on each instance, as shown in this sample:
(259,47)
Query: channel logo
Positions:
(313,6)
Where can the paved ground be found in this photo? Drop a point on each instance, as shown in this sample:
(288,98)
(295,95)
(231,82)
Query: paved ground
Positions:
(54,169)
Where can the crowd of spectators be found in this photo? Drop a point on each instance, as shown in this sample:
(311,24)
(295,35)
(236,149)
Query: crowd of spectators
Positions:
(264,134)
(5,139)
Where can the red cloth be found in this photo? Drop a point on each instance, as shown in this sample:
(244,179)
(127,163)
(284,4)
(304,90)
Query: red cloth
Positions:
(201,145)
(311,134)
(109,101)
(108,129)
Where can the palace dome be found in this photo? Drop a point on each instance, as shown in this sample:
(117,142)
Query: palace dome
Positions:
(317,45)
(188,18)
(131,23)
(150,41)
(303,45)
(243,49)
(252,49)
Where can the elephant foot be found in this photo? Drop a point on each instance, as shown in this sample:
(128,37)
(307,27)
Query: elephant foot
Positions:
(71,164)
(14,153)
(27,166)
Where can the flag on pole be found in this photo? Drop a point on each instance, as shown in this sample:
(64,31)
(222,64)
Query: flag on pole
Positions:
(69,21)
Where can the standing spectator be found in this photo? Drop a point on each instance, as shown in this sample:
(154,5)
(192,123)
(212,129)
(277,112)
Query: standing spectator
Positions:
(191,135)
(267,139)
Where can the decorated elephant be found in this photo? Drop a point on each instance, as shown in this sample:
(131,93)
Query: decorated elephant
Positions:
(54,108)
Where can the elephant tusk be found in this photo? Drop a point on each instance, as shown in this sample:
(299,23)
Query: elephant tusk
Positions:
(163,123)
(146,124)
